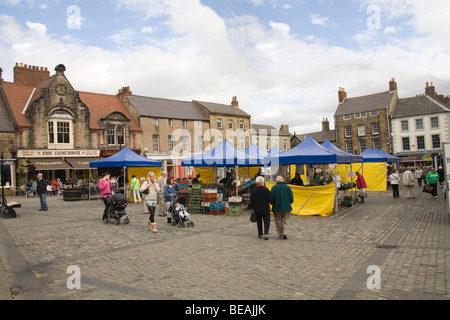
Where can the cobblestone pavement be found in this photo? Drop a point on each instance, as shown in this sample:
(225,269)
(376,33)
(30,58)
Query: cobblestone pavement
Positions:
(221,258)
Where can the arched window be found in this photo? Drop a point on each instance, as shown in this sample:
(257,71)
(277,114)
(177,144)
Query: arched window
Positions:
(60,130)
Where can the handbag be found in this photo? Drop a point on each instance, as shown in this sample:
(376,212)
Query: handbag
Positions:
(253,217)
(427,189)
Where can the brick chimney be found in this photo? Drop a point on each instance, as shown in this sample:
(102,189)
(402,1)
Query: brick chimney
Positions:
(125,92)
(392,85)
(342,95)
(30,75)
(325,125)
(284,128)
(1,75)
(430,90)
(235,102)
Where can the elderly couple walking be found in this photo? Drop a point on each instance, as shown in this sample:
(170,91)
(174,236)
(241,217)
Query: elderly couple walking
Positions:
(280,197)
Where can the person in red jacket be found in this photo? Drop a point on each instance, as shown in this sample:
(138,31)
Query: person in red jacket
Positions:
(361,185)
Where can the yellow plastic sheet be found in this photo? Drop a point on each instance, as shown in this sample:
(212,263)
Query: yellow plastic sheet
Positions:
(206,174)
(250,172)
(375,176)
(143,172)
(312,201)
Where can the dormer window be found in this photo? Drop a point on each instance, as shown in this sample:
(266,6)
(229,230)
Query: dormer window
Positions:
(60,130)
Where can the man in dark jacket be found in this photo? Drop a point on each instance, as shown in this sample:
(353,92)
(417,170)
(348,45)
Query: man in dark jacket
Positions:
(42,192)
(260,198)
(282,200)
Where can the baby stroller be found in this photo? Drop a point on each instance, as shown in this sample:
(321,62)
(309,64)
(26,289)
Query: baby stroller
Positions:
(116,209)
(180,216)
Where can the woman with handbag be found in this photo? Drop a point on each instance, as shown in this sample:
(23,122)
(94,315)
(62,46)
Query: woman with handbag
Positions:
(151,199)
(361,185)
(260,198)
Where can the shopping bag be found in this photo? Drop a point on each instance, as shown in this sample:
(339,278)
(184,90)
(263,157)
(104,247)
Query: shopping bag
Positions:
(427,189)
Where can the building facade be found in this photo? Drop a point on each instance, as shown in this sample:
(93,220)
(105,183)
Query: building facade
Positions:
(363,122)
(267,137)
(58,130)
(419,127)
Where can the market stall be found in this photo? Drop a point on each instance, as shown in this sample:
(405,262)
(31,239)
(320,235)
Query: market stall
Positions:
(128,159)
(312,199)
(374,170)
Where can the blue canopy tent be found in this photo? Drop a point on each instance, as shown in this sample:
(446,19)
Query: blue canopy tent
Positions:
(350,158)
(390,158)
(372,156)
(125,158)
(308,152)
(255,156)
(224,155)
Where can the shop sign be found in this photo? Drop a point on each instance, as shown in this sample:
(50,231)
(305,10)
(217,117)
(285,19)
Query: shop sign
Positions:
(57,153)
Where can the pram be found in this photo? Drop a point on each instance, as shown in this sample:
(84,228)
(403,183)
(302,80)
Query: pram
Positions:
(116,209)
(180,216)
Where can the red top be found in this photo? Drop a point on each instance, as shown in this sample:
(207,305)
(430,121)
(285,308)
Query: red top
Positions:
(361,183)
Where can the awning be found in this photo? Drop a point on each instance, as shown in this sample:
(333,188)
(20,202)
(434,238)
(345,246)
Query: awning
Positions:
(80,163)
(50,164)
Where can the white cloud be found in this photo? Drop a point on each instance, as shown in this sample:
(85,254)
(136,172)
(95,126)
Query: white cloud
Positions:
(282,28)
(316,19)
(278,80)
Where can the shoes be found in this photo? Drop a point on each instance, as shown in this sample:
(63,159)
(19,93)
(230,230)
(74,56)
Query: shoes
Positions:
(284,237)
(266,237)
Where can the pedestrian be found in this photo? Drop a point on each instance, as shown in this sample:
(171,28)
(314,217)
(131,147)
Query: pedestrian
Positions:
(433,179)
(41,189)
(261,199)
(361,185)
(161,207)
(170,193)
(135,188)
(424,175)
(394,178)
(418,174)
(151,199)
(441,174)
(282,200)
(31,188)
(409,182)
(105,186)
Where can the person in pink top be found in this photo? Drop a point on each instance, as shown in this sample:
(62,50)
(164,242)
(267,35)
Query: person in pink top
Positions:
(105,186)
(361,185)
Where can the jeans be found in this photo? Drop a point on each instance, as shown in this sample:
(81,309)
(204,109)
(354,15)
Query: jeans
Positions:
(43,200)
(395,191)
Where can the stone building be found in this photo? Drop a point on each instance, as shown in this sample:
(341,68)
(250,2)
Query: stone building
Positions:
(320,137)
(364,121)
(267,137)
(419,127)
(58,129)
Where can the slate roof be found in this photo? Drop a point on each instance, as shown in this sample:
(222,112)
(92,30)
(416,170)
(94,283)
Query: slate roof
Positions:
(366,103)
(166,108)
(223,109)
(319,137)
(418,106)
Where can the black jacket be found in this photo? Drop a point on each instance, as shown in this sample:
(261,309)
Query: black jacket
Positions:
(41,186)
(260,198)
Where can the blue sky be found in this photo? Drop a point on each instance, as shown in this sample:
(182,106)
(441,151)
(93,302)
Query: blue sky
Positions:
(284,59)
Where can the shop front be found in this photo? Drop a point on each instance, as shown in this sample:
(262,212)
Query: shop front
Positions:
(71,166)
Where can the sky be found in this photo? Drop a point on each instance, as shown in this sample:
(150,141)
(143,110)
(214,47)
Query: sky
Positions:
(284,60)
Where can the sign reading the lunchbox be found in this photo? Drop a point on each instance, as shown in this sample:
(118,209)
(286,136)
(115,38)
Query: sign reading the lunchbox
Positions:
(57,153)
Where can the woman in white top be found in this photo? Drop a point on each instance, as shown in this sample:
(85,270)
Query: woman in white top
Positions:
(151,198)
(394,178)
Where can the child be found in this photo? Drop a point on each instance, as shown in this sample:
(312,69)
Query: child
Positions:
(180,209)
